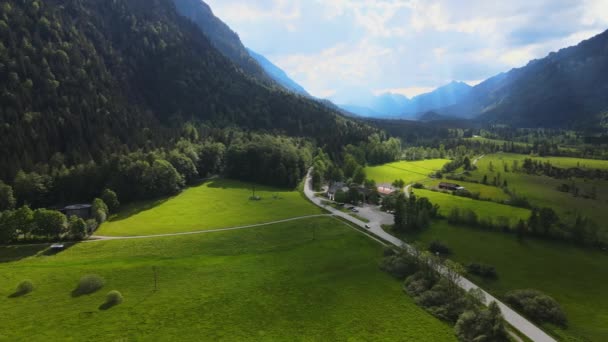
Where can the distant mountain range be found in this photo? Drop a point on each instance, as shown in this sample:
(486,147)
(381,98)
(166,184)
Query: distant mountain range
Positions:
(567,89)
(390,105)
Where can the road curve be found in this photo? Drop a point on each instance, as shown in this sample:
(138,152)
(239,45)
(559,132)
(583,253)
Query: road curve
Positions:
(516,320)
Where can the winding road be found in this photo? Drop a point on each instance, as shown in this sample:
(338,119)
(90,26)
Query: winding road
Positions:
(379,218)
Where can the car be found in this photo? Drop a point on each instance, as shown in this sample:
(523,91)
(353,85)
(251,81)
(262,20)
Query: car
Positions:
(354,210)
(367,226)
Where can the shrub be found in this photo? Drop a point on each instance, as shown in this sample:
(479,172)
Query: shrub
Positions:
(437,247)
(110,198)
(388,251)
(400,265)
(89,284)
(418,186)
(481,325)
(25,287)
(537,306)
(114,298)
(484,271)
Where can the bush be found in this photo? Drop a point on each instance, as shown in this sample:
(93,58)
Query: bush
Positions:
(437,247)
(484,271)
(114,298)
(400,265)
(418,186)
(25,287)
(537,306)
(481,325)
(89,284)
(388,251)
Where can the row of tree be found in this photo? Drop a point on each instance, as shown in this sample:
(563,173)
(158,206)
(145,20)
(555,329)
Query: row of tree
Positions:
(261,158)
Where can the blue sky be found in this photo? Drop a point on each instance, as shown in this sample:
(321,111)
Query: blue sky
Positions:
(348,49)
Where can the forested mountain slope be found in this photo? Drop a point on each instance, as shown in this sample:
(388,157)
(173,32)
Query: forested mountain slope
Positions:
(565,89)
(87,78)
(278,74)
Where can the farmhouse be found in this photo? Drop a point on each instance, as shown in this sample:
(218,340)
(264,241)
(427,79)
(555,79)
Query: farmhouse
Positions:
(80,210)
(450,186)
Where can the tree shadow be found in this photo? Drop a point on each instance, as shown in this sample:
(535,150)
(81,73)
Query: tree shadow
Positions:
(136,208)
(107,305)
(18,294)
(16,252)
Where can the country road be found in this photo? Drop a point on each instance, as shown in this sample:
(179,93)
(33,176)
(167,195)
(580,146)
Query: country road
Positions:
(516,320)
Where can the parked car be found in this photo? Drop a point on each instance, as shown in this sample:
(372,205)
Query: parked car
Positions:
(367,226)
(354,210)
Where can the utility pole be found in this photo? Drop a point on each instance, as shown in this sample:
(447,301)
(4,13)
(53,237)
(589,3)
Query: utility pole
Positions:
(155,278)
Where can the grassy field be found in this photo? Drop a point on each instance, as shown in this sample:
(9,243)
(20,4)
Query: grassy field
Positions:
(483,209)
(282,282)
(408,171)
(216,204)
(485,191)
(576,278)
(542,191)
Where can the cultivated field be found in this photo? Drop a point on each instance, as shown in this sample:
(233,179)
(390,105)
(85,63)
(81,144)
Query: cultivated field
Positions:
(483,209)
(216,204)
(576,278)
(409,171)
(315,279)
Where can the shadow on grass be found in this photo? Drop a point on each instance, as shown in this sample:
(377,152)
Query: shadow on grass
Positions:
(16,253)
(107,305)
(18,294)
(223,183)
(136,208)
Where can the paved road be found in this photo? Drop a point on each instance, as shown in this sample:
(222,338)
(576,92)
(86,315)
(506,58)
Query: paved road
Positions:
(375,224)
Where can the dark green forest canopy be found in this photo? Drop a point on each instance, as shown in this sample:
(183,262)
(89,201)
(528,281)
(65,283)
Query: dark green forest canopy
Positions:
(91,78)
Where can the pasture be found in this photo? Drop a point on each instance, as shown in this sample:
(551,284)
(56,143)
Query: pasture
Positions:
(215,204)
(409,171)
(483,209)
(575,277)
(315,279)
(543,191)
(485,191)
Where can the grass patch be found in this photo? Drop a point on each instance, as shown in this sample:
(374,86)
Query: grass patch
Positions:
(575,277)
(268,283)
(485,191)
(542,191)
(483,209)
(409,171)
(216,204)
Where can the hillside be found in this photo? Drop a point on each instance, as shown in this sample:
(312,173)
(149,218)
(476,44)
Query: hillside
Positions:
(565,89)
(277,74)
(444,96)
(80,80)
(221,36)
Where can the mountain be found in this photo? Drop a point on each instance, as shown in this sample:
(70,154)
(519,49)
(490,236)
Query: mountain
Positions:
(221,36)
(277,74)
(565,89)
(82,79)
(381,106)
(444,96)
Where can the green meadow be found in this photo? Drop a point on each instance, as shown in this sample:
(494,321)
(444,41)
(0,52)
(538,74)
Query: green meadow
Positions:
(218,203)
(485,191)
(409,171)
(575,277)
(483,209)
(315,279)
(542,191)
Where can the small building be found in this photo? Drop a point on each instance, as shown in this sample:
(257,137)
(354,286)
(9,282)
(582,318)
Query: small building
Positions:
(450,186)
(83,211)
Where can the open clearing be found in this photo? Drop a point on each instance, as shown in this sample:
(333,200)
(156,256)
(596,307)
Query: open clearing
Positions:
(576,278)
(483,209)
(542,190)
(314,279)
(409,171)
(485,191)
(215,204)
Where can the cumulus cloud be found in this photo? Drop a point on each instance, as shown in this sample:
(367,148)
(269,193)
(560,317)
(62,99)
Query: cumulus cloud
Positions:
(343,48)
